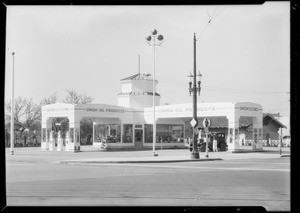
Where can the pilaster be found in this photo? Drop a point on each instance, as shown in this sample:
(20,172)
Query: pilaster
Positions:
(233,132)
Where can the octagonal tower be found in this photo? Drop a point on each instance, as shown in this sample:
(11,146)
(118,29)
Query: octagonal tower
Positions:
(137,92)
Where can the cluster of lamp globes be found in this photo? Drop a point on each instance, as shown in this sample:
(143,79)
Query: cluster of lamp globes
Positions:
(198,84)
(154,36)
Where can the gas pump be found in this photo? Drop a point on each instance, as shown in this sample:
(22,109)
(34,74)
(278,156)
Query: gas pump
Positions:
(51,142)
(60,146)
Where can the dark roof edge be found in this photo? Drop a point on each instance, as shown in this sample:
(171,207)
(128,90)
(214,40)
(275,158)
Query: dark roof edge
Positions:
(277,121)
(130,77)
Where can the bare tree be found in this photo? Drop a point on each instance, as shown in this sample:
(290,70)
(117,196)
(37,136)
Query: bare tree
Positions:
(24,109)
(50,100)
(17,111)
(25,112)
(74,98)
(86,130)
(32,113)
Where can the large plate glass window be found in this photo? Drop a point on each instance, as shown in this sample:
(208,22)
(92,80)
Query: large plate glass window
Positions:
(168,133)
(127,133)
(149,133)
(110,133)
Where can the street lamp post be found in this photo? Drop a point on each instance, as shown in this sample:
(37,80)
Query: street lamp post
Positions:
(194,88)
(12,123)
(154,40)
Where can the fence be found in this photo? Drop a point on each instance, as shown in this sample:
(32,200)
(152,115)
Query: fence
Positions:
(272,143)
(21,143)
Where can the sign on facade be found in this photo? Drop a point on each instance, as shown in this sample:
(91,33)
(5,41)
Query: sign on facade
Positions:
(193,122)
(206,123)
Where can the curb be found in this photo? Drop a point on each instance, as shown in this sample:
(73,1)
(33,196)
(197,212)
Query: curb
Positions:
(247,151)
(137,161)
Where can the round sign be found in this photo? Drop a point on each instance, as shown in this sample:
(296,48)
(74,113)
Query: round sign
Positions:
(206,122)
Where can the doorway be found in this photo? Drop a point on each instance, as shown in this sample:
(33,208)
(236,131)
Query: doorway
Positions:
(138,139)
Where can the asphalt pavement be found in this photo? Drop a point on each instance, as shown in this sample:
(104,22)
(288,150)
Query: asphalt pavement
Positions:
(137,178)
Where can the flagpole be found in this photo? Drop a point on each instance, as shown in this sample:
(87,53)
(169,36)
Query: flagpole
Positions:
(12,124)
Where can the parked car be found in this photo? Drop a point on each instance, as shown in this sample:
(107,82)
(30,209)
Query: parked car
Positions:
(221,142)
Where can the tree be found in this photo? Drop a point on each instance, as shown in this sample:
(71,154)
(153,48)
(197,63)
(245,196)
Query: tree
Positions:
(25,111)
(86,129)
(50,100)
(20,105)
(74,98)
(32,114)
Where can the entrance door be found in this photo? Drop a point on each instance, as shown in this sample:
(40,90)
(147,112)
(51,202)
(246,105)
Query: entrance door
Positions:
(138,138)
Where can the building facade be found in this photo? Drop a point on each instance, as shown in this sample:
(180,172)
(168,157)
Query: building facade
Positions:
(129,125)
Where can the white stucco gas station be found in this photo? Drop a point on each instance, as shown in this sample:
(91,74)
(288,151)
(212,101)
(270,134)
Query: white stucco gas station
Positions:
(129,124)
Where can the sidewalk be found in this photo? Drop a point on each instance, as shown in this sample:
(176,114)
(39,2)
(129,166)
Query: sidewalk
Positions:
(36,155)
(183,155)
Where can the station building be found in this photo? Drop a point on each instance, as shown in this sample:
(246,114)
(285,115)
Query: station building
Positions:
(129,124)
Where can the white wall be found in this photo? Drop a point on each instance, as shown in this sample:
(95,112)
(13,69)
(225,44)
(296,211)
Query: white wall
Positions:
(142,85)
(138,97)
(126,87)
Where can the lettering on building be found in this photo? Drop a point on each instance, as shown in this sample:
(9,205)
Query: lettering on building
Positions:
(165,110)
(179,110)
(249,108)
(91,109)
(57,109)
(201,109)
(105,110)
(115,110)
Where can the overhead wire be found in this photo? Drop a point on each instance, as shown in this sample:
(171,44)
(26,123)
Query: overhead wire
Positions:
(220,12)
(215,10)
(243,91)
(222,89)
(219,89)
(210,18)
(203,30)
(207,13)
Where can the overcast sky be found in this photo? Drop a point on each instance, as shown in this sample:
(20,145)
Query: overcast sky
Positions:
(243,53)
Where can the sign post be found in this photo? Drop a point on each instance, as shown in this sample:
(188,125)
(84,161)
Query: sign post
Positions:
(195,153)
(206,155)
(280,142)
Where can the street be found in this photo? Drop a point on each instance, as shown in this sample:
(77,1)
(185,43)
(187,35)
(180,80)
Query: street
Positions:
(249,181)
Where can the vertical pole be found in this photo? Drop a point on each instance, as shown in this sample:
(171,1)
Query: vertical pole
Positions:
(206,145)
(280,142)
(122,130)
(195,153)
(154,122)
(139,66)
(12,124)
(93,133)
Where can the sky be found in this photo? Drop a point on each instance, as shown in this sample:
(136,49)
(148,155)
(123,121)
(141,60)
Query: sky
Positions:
(243,53)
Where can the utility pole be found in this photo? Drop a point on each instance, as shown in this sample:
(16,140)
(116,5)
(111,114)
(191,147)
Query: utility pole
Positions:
(194,89)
